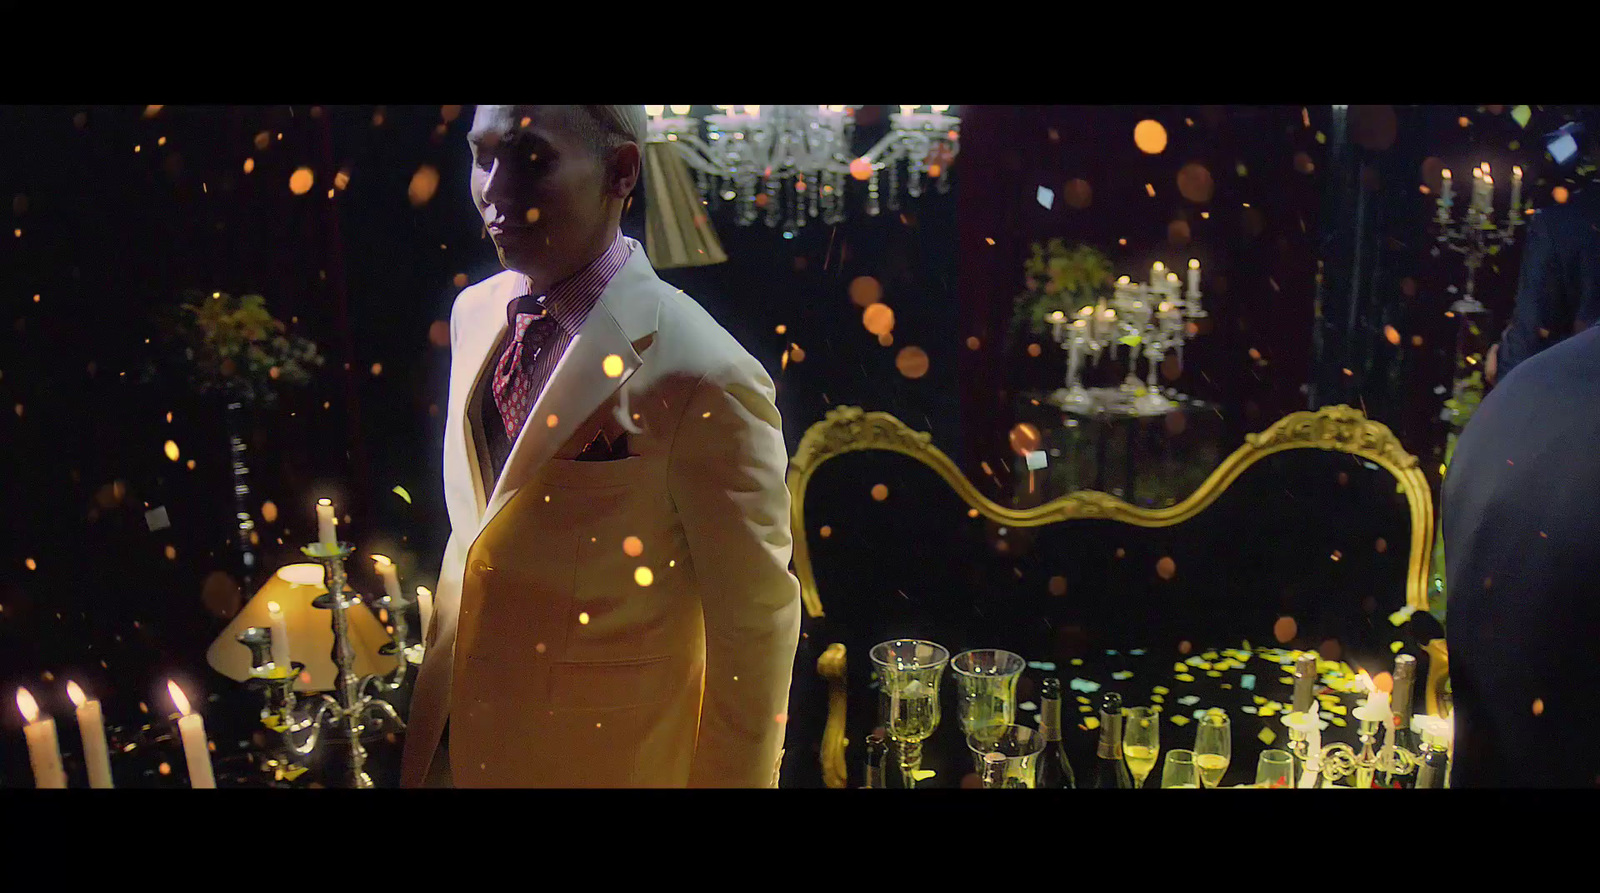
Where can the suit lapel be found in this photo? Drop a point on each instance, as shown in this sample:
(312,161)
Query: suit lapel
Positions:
(580,382)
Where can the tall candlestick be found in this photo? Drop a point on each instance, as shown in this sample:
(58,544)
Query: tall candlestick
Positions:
(1157,273)
(1194,278)
(1449,190)
(390,575)
(280,637)
(44,750)
(327,532)
(1477,189)
(193,730)
(92,728)
(425,609)
(1516,188)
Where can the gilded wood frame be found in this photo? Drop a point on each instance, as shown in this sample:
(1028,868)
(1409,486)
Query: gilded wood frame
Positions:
(1345,429)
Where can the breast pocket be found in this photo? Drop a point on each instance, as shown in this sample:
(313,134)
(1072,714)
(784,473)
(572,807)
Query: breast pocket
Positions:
(610,685)
(575,475)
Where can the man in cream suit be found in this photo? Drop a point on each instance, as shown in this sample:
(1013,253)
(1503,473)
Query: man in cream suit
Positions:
(615,607)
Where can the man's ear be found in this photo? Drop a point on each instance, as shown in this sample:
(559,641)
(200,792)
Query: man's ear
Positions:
(626,165)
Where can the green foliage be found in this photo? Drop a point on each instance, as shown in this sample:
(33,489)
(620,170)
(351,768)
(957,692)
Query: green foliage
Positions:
(234,345)
(1058,278)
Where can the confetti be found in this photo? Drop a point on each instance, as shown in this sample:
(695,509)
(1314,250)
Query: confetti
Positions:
(1267,736)
(1185,677)
(1161,690)
(1247,682)
(1522,115)
(1084,686)
(398,491)
(1124,674)
(1042,665)
(1180,720)
(1046,197)
(1028,706)
(1189,700)
(1091,722)
(1083,700)
(1248,709)
(1400,617)
(1077,661)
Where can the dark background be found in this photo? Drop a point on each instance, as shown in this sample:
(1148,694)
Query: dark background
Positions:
(108,236)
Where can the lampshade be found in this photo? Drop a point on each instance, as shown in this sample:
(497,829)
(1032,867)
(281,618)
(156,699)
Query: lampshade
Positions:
(678,231)
(310,632)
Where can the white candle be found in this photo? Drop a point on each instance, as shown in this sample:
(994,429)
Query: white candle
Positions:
(327,533)
(390,575)
(280,638)
(1477,189)
(425,609)
(1194,278)
(193,730)
(1157,273)
(92,728)
(1449,190)
(1516,188)
(44,750)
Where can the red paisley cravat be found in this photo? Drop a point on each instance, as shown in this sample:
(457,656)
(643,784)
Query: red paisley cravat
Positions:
(513,379)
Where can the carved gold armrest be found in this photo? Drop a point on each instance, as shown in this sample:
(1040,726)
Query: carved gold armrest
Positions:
(831,666)
(1438,675)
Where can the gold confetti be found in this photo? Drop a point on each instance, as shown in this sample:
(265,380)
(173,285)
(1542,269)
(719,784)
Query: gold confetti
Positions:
(1184,677)
(1092,722)
(1267,736)
(1178,719)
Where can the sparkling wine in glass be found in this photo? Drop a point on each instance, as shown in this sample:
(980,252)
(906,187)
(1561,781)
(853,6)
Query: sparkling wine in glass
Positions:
(1141,742)
(909,671)
(1179,770)
(1213,747)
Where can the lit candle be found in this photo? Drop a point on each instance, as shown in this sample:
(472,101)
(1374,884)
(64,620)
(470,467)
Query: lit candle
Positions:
(680,110)
(1516,188)
(92,728)
(1477,189)
(44,751)
(908,109)
(1194,278)
(280,638)
(1449,190)
(425,609)
(193,730)
(327,533)
(655,111)
(1157,273)
(391,577)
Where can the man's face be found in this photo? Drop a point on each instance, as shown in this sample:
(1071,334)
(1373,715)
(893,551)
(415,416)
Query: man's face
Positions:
(540,192)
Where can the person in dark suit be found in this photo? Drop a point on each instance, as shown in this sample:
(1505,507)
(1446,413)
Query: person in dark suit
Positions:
(1558,292)
(1521,521)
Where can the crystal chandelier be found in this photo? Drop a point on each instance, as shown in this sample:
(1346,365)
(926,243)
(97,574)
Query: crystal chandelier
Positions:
(785,164)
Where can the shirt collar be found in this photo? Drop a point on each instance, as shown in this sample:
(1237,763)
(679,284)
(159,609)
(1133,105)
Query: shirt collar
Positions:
(570,300)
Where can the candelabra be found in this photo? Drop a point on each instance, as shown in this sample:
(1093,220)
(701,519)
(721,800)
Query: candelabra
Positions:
(355,702)
(1477,235)
(1150,319)
(787,163)
(1340,760)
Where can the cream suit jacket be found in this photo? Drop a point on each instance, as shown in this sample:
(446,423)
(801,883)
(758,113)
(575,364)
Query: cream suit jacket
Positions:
(560,660)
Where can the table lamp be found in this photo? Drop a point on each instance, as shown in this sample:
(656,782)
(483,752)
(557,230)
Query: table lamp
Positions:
(310,632)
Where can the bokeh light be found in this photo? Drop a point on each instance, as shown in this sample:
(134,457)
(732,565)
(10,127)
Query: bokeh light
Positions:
(1285,630)
(1150,137)
(633,547)
(171,449)
(1195,183)
(1560,194)
(424,183)
(300,181)
(1078,194)
(1025,438)
(879,319)
(880,492)
(1166,568)
(911,361)
(865,291)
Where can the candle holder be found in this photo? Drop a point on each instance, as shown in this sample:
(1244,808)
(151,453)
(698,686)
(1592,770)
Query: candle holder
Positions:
(1150,320)
(355,702)
(1340,760)
(1476,235)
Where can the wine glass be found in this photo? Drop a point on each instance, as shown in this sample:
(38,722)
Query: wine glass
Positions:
(1213,747)
(1179,770)
(909,671)
(1141,741)
(1007,756)
(986,687)
(1274,768)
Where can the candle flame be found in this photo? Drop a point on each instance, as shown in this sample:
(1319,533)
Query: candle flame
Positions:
(1447,173)
(1194,263)
(382,561)
(1123,280)
(177,697)
(1087,311)
(1516,171)
(1057,316)
(28,706)
(1159,266)
(328,502)
(76,694)
(423,590)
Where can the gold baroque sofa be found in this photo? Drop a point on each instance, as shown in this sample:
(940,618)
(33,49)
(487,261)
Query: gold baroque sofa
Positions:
(1341,429)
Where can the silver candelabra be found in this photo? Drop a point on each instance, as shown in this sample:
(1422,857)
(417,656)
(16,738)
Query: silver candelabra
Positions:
(1476,235)
(355,702)
(1149,319)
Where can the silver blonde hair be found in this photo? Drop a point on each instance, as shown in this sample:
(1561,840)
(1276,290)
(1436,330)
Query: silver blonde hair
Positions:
(605,127)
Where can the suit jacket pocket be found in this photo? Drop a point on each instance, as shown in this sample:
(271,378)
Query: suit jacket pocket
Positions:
(570,473)
(612,684)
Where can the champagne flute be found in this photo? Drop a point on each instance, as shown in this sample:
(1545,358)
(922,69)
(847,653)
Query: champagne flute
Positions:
(909,671)
(1213,747)
(1141,741)
(1274,768)
(1180,770)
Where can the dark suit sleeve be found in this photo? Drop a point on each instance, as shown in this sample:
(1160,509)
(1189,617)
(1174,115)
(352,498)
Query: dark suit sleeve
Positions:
(1544,313)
